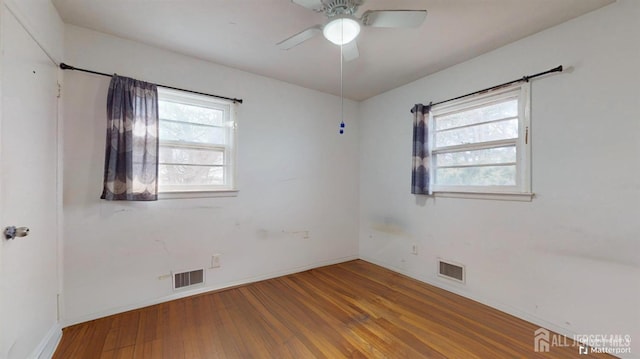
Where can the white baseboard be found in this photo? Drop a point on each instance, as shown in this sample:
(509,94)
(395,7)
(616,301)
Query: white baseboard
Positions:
(53,337)
(187,293)
(48,344)
(491,302)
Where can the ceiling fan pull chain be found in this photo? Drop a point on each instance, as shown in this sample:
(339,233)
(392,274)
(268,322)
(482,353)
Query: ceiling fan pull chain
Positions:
(341,87)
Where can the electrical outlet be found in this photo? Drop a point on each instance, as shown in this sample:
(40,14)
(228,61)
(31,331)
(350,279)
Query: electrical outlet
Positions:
(414,249)
(215,261)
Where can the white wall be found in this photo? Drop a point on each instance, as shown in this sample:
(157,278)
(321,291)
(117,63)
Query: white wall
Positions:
(570,259)
(298,182)
(29,277)
(41,20)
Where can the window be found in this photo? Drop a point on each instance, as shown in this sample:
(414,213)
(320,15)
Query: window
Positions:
(197,143)
(481,144)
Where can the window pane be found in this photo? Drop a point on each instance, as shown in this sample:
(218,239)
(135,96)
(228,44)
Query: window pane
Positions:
(189,113)
(171,154)
(190,175)
(493,112)
(172,131)
(479,157)
(501,130)
(477,176)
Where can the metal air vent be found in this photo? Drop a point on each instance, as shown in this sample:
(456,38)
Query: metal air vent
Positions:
(451,271)
(186,279)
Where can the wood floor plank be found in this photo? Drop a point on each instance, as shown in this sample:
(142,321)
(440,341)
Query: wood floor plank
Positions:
(349,310)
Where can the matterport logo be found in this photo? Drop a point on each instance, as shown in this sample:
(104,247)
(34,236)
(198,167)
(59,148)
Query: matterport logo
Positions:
(615,344)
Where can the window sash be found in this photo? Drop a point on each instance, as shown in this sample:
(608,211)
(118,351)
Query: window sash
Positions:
(521,143)
(225,132)
(194,145)
(476,188)
(226,167)
(475,124)
(476,146)
(190,123)
(227,148)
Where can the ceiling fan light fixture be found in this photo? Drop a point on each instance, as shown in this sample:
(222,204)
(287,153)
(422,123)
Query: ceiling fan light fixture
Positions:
(341,30)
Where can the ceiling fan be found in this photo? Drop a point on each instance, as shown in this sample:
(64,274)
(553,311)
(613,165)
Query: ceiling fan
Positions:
(343,26)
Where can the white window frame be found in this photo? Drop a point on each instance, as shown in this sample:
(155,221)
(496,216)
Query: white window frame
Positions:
(522,189)
(229,149)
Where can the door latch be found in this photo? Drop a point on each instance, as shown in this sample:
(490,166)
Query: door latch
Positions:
(12,232)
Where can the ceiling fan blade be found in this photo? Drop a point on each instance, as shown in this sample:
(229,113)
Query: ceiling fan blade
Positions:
(309,4)
(350,51)
(394,18)
(299,38)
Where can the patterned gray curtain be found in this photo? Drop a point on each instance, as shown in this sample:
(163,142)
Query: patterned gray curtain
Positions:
(420,170)
(131,155)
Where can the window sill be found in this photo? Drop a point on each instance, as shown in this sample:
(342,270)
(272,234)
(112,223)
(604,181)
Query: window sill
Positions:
(497,196)
(197,194)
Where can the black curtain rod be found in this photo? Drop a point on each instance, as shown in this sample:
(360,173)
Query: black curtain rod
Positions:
(523,79)
(69,67)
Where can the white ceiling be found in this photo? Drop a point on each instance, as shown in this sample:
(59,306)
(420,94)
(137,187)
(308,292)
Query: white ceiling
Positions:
(242,34)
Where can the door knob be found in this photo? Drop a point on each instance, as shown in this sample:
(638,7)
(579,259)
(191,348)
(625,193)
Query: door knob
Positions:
(12,232)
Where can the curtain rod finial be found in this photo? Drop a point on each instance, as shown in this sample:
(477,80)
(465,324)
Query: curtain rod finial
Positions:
(66,67)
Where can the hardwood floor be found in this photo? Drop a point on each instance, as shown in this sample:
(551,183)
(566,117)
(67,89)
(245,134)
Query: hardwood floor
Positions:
(349,310)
